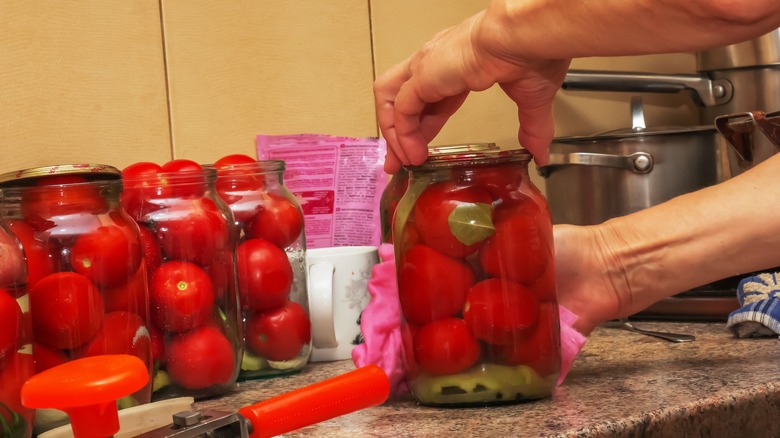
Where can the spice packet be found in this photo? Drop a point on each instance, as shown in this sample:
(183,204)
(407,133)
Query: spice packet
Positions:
(338,182)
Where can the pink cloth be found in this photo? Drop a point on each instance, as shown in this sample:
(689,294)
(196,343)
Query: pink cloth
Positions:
(380,324)
(382,333)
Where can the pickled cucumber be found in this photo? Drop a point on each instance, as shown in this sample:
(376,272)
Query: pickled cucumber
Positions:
(484,383)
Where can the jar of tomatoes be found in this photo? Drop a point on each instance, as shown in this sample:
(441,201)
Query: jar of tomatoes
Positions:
(271,265)
(474,252)
(86,277)
(189,239)
(398,183)
(16,360)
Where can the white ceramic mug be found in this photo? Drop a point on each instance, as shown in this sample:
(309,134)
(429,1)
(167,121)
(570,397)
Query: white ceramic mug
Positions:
(338,292)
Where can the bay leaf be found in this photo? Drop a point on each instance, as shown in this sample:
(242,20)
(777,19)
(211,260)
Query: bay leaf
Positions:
(471,222)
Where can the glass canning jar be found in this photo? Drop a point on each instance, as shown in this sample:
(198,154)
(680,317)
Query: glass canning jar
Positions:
(271,268)
(398,183)
(16,360)
(474,253)
(86,278)
(190,243)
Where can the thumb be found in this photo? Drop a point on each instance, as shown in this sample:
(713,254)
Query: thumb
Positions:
(537,129)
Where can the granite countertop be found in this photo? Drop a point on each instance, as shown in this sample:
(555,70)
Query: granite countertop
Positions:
(622,384)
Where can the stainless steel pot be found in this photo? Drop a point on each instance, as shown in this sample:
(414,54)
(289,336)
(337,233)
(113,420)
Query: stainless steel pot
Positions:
(592,179)
(730,79)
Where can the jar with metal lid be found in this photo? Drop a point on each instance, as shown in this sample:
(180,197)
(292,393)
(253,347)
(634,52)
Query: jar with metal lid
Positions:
(271,266)
(190,243)
(16,360)
(86,279)
(474,256)
(398,183)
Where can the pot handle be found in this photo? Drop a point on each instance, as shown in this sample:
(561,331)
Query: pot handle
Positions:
(638,162)
(706,92)
(739,133)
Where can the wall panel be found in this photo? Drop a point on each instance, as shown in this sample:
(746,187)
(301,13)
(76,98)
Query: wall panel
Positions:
(81,82)
(241,68)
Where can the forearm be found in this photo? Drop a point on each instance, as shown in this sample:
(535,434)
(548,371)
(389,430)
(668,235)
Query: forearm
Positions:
(563,29)
(721,231)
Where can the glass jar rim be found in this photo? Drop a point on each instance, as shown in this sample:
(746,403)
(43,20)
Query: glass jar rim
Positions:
(30,176)
(259,166)
(208,173)
(473,158)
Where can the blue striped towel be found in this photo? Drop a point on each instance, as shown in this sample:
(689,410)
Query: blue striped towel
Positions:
(759,314)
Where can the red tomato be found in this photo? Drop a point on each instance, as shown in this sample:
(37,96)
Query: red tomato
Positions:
(445,347)
(236,175)
(143,188)
(122,333)
(19,368)
(501,181)
(201,358)
(192,230)
(279,334)
(234,159)
(539,347)
(521,248)
(59,196)
(545,286)
(279,221)
(10,325)
(408,332)
(222,271)
(152,253)
(39,264)
(185,177)
(441,204)
(132,296)
(108,256)
(265,275)
(67,310)
(47,357)
(181,296)
(497,311)
(181,165)
(431,285)
(12,263)
(158,343)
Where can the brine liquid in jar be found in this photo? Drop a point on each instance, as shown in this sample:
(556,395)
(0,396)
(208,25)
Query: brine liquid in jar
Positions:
(190,244)
(474,256)
(399,182)
(271,267)
(16,355)
(86,273)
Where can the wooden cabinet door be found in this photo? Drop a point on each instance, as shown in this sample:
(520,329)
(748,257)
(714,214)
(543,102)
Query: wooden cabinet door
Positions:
(81,81)
(241,68)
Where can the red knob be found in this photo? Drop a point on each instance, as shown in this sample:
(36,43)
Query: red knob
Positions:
(87,390)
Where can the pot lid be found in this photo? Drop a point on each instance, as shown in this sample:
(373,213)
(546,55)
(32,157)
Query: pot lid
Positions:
(638,128)
(762,51)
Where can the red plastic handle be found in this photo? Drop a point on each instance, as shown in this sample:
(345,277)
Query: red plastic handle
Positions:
(362,388)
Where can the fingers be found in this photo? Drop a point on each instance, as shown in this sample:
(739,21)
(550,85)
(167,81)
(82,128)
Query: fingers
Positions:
(386,89)
(409,107)
(537,129)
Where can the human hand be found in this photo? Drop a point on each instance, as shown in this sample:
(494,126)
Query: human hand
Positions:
(589,283)
(415,98)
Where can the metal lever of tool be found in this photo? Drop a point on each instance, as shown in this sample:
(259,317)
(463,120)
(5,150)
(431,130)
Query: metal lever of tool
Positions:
(358,389)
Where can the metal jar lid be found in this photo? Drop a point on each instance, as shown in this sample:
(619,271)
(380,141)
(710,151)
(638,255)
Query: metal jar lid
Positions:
(449,149)
(25,177)
(762,51)
(473,158)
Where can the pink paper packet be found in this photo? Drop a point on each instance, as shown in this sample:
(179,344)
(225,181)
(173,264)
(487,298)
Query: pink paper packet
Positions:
(338,182)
